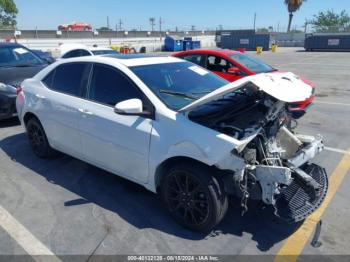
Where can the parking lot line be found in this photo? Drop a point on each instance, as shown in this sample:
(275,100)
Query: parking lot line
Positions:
(331,103)
(337,150)
(23,237)
(295,244)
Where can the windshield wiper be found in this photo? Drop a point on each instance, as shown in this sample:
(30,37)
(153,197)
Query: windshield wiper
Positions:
(175,93)
(202,92)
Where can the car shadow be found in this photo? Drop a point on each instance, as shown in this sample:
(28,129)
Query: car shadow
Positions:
(14,121)
(135,204)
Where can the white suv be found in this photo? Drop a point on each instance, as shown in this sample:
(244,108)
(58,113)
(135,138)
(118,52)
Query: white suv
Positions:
(179,130)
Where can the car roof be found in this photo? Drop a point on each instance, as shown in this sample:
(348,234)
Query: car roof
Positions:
(97,48)
(128,60)
(131,60)
(208,51)
(133,56)
(65,48)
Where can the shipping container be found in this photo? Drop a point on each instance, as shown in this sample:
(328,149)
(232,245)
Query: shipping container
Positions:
(172,43)
(247,41)
(220,33)
(196,44)
(327,42)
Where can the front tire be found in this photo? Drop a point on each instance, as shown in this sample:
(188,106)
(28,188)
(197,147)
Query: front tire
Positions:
(37,138)
(194,197)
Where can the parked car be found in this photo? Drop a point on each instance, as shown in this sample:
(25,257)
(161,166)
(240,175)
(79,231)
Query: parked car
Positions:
(16,64)
(75,26)
(180,131)
(46,56)
(78,50)
(233,65)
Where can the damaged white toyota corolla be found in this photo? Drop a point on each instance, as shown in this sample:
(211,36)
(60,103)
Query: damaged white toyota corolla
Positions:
(181,131)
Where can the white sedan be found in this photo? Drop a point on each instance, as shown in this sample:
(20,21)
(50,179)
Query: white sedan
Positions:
(79,50)
(180,131)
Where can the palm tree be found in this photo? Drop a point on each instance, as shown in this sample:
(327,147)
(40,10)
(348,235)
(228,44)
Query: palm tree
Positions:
(293,6)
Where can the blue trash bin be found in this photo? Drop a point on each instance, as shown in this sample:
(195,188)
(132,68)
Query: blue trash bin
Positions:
(173,44)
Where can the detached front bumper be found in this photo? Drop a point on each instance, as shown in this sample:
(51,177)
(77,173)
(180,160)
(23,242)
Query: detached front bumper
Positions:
(295,203)
(299,188)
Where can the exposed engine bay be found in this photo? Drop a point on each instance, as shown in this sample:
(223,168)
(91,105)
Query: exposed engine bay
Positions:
(277,169)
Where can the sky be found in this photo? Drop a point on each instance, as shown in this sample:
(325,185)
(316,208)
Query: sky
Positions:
(135,14)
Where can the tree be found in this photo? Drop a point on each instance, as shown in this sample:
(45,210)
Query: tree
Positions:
(292,6)
(329,21)
(8,12)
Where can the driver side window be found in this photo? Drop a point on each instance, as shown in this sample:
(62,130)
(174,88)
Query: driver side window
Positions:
(109,86)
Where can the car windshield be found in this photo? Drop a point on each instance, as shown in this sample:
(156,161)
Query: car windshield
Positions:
(18,56)
(178,84)
(104,52)
(253,64)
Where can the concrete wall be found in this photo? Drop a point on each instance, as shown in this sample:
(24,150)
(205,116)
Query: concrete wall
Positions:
(49,40)
(52,34)
(152,44)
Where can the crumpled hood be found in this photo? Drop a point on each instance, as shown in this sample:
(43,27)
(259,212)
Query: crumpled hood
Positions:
(286,87)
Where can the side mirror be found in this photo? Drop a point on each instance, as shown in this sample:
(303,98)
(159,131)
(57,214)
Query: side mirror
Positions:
(129,107)
(234,71)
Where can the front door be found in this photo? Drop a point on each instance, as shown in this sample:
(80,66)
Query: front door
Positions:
(117,143)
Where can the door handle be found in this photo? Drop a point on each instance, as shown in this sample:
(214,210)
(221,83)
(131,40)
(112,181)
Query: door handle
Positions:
(85,111)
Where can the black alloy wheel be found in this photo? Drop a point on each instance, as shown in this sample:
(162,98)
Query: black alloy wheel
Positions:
(37,138)
(193,197)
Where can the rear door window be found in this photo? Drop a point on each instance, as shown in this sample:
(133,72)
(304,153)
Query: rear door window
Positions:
(196,59)
(218,64)
(69,78)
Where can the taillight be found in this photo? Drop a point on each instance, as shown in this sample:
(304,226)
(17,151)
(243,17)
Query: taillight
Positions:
(18,90)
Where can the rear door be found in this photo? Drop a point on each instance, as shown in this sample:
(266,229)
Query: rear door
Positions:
(63,99)
(117,143)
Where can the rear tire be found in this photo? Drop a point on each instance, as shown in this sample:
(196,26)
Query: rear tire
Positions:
(194,197)
(37,139)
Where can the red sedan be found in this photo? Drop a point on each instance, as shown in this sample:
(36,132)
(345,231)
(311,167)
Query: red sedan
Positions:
(233,65)
(74,26)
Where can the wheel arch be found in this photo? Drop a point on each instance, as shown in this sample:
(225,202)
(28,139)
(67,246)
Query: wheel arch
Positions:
(168,163)
(29,115)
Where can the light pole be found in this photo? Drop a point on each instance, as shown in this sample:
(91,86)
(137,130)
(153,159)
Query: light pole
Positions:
(254,21)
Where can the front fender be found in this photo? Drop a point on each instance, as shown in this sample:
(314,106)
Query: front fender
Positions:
(178,136)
